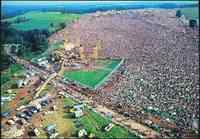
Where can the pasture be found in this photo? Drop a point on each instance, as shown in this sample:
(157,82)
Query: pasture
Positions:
(41,20)
(190,13)
(94,77)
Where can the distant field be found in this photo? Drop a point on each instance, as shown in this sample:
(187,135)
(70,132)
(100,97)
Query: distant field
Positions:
(190,13)
(93,77)
(42,20)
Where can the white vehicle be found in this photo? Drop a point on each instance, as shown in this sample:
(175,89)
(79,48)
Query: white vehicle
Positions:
(53,135)
(109,127)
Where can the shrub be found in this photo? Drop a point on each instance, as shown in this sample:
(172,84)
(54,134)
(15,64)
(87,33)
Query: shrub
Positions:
(178,13)
(192,23)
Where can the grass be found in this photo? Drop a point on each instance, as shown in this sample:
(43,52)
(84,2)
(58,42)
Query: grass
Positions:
(24,101)
(64,126)
(5,107)
(89,78)
(93,77)
(91,121)
(94,123)
(42,20)
(46,90)
(46,53)
(14,69)
(190,13)
(69,102)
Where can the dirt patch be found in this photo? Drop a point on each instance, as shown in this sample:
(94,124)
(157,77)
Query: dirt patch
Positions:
(22,93)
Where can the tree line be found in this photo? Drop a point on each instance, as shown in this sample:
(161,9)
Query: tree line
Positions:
(30,41)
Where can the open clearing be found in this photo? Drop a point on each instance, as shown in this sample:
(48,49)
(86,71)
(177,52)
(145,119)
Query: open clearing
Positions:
(190,13)
(42,20)
(95,76)
(92,122)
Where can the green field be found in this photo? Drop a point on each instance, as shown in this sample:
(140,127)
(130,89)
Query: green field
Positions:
(94,123)
(13,70)
(92,78)
(9,79)
(42,20)
(190,13)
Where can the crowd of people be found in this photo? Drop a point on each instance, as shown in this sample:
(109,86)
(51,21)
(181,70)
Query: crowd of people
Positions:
(161,71)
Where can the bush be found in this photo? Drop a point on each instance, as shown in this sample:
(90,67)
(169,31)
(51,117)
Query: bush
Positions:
(192,23)
(62,25)
(178,13)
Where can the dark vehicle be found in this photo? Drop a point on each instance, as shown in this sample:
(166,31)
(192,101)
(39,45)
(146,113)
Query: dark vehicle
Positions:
(44,103)
(27,118)
(5,114)
(33,109)
(20,114)
(126,114)
(28,113)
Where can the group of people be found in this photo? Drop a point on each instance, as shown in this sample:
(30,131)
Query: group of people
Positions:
(161,69)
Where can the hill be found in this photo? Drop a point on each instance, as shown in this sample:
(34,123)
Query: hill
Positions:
(161,70)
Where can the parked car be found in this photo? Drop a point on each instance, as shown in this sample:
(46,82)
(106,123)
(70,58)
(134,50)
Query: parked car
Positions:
(20,114)
(28,113)
(44,103)
(5,114)
(27,118)
(33,109)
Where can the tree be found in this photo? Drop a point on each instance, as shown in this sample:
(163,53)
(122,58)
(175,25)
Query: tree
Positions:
(51,24)
(178,13)
(62,25)
(192,23)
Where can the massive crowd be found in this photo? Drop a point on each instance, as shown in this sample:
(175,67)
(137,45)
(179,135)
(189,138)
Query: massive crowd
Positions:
(161,71)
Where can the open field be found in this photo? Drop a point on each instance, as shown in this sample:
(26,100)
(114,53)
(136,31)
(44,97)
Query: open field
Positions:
(95,123)
(66,126)
(190,13)
(42,20)
(92,77)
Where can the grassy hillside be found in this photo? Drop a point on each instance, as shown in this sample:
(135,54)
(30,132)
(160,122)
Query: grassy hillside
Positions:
(42,20)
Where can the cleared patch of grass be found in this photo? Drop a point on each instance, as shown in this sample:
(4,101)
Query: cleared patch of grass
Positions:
(89,78)
(93,77)
(64,125)
(95,123)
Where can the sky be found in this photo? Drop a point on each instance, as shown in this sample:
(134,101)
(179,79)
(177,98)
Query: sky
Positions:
(62,2)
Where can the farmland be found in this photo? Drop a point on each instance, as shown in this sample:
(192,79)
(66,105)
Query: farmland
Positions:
(42,20)
(190,13)
(92,77)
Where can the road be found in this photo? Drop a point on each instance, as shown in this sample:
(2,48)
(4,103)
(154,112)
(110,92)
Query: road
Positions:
(52,76)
